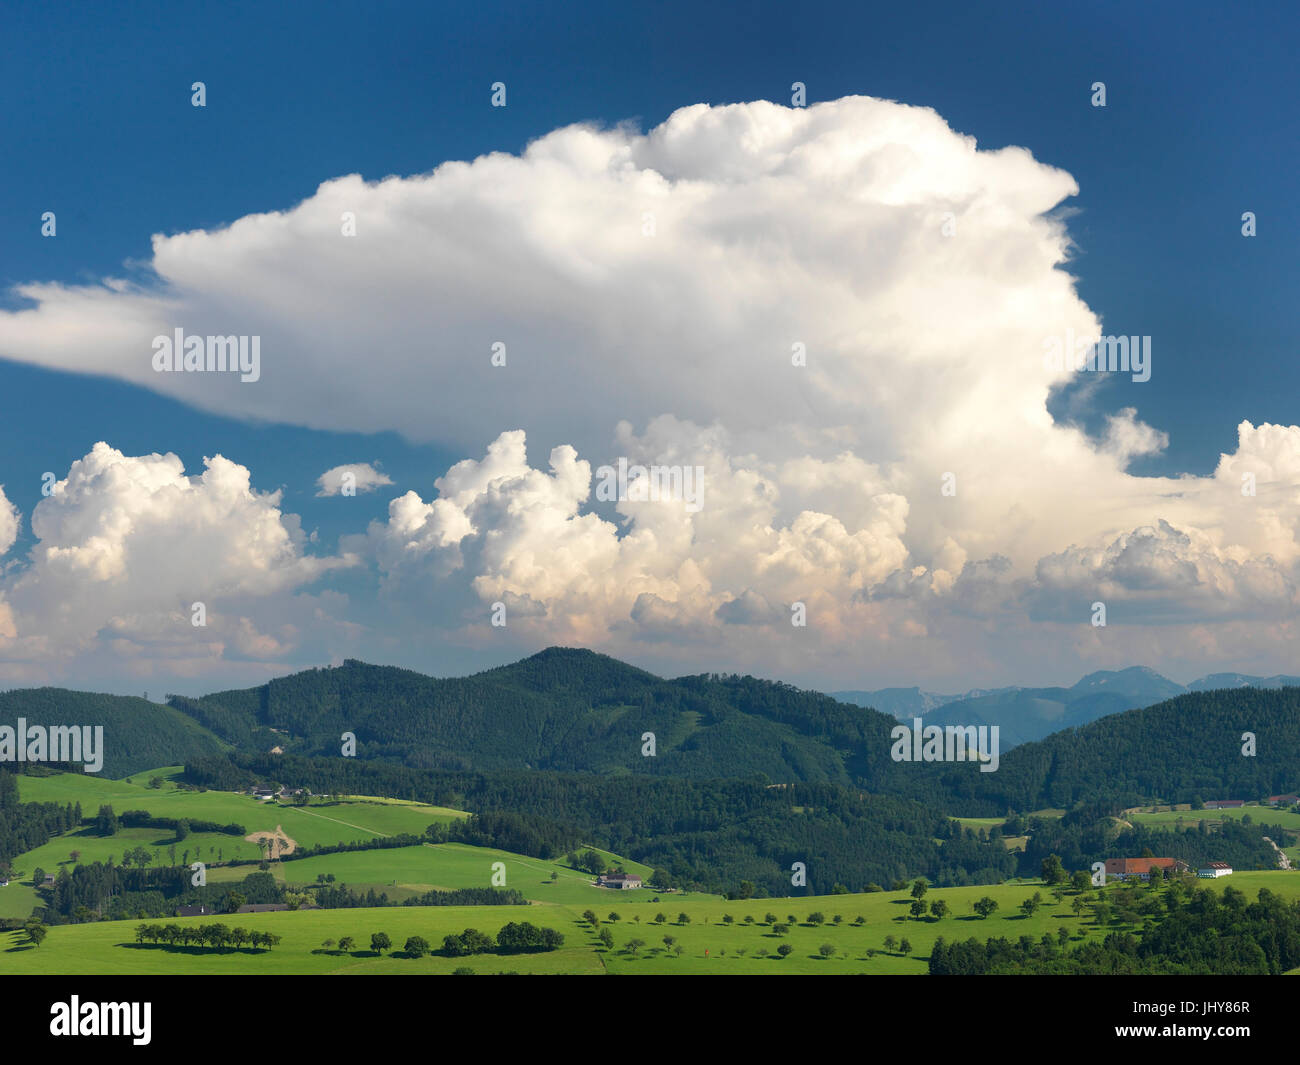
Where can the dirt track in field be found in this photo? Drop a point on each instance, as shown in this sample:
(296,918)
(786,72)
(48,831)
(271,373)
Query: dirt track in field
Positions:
(280,843)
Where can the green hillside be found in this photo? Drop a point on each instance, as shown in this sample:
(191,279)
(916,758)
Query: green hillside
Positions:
(323,822)
(137,734)
(574,710)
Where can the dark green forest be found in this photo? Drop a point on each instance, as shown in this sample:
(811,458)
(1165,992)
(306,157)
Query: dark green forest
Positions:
(138,734)
(577,711)
(562,709)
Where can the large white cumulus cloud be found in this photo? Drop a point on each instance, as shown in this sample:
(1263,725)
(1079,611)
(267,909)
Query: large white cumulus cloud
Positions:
(902,478)
(126,545)
(666,272)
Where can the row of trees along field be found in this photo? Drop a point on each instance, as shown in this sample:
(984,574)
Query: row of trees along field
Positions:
(217,936)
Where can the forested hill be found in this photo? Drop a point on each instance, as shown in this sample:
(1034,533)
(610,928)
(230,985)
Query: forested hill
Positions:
(138,734)
(578,711)
(1183,749)
(563,709)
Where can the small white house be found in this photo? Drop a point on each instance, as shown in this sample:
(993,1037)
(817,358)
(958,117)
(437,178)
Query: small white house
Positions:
(1213,870)
(619,881)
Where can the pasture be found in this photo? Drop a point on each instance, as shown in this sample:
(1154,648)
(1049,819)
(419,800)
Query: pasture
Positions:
(733,948)
(406,871)
(322,822)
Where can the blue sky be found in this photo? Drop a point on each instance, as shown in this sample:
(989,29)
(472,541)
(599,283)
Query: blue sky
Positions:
(1200,125)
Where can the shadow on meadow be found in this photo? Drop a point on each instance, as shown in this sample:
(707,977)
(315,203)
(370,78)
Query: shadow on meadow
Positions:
(178,948)
(336,953)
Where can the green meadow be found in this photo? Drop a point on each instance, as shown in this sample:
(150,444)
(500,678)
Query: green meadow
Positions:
(110,947)
(732,948)
(1190,818)
(407,871)
(18,899)
(979,822)
(322,822)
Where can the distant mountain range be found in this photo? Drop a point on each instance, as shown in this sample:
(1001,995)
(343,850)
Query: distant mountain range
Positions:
(572,711)
(1026,714)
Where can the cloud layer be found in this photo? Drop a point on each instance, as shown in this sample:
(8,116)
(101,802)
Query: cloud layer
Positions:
(135,558)
(838,314)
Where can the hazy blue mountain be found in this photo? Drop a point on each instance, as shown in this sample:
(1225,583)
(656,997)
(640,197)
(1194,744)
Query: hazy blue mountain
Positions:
(1023,714)
(907,703)
(901,702)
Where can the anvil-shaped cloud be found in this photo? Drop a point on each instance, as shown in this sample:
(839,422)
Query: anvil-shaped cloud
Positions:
(839,312)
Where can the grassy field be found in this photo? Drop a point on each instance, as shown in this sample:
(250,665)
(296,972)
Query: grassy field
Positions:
(321,822)
(110,947)
(989,822)
(1012,843)
(731,948)
(709,943)
(406,871)
(17,899)
(979,822)
(1190,817)
(415,870)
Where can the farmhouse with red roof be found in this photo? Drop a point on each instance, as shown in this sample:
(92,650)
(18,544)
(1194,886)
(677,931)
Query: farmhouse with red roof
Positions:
(1140,868)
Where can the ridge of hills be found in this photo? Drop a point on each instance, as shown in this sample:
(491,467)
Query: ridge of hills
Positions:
(565,709)
(573,710)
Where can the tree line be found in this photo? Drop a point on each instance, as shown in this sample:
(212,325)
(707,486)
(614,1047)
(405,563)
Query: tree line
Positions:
(217,936)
